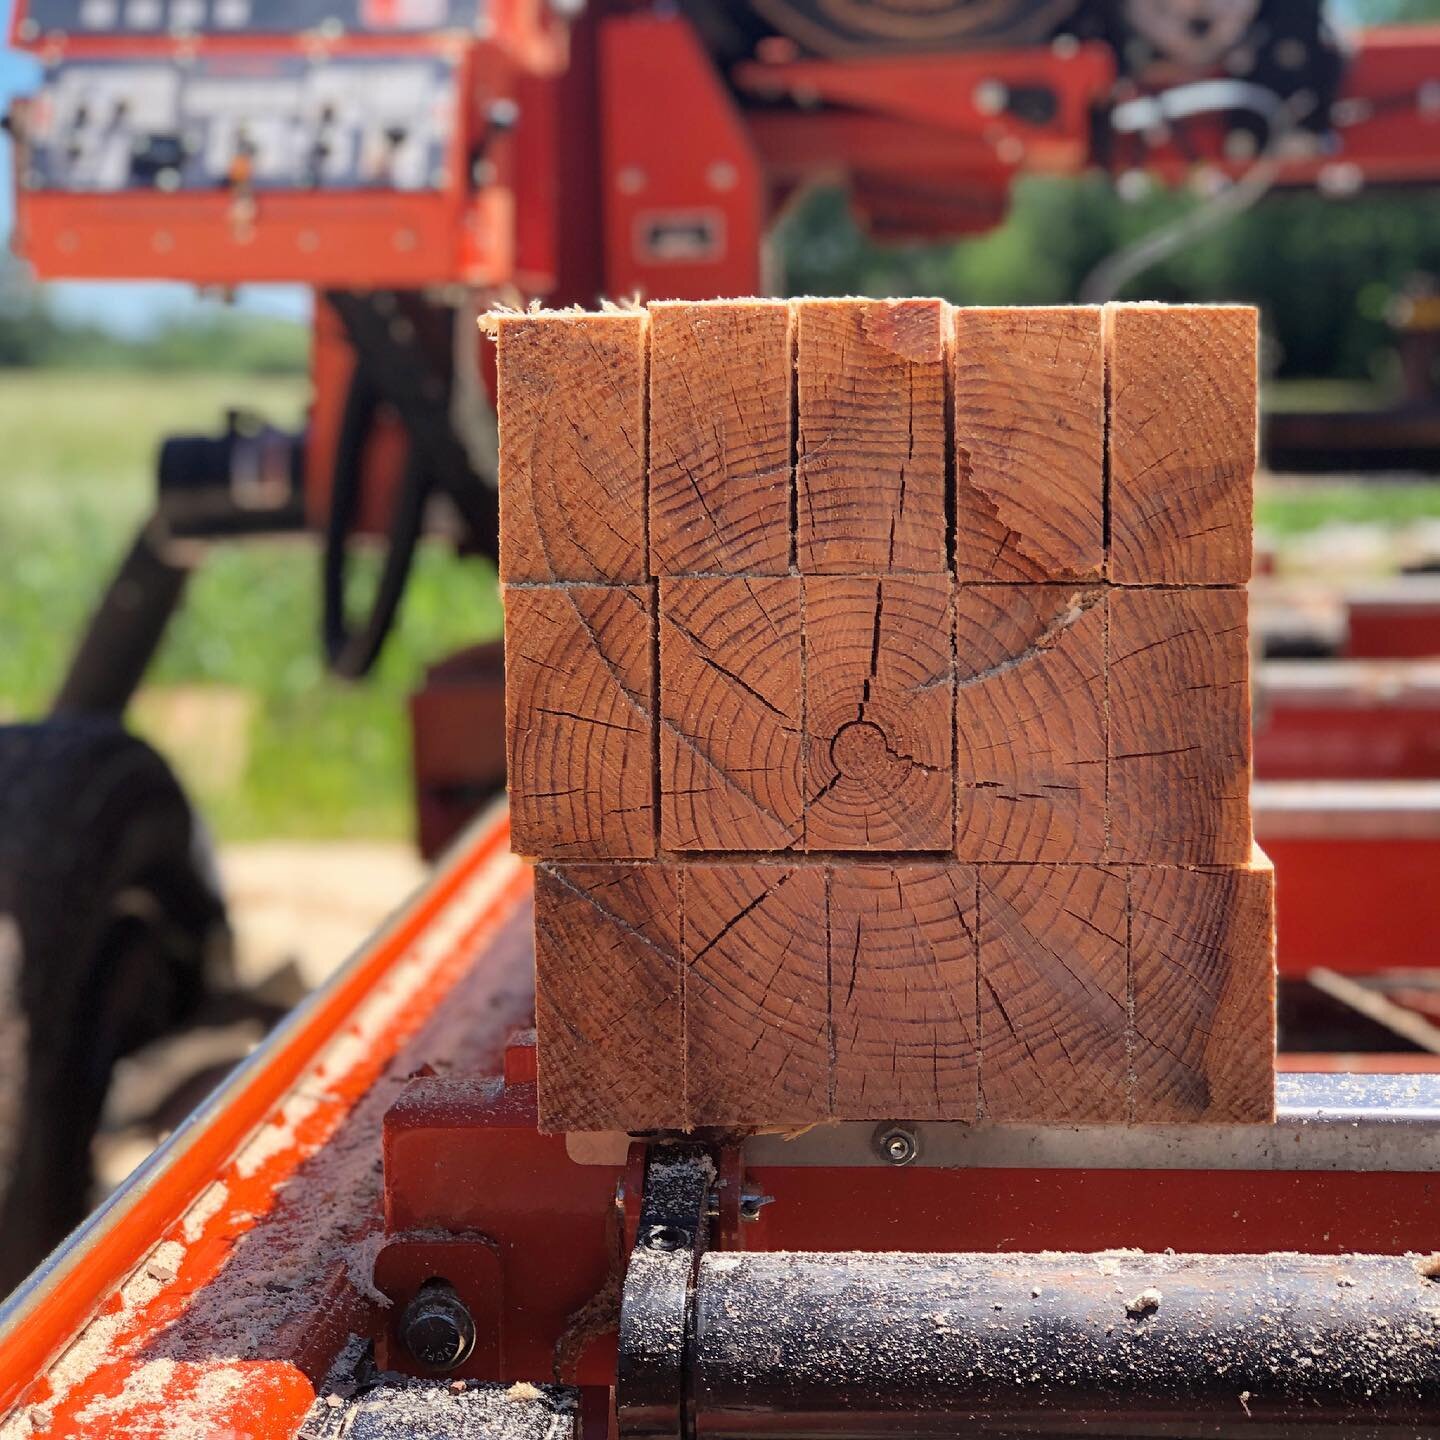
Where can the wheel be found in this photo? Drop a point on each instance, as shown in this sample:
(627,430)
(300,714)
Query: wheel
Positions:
(848,27)
(111,931)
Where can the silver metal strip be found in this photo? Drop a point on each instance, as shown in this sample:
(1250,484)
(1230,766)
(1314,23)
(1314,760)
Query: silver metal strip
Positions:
(1345,809)
(1368,1123)
(1359,684)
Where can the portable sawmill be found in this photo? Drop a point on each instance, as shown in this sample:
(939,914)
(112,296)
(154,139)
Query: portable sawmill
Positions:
(862,1019)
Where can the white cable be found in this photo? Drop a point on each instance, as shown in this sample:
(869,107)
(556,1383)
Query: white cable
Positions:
(1116,271)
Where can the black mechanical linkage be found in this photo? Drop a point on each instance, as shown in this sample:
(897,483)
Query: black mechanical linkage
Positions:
(403,347)
(1107,1344)
(125,630)
(651,1392)
(244,482)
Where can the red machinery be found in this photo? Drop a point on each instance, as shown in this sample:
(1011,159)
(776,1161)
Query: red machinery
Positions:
(413,160)
(263,1276)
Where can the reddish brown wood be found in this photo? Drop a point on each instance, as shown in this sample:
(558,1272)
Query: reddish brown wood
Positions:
(1030,722)
(871,462)
(572,447)
(607,997)
(721,476)
(903,944)
(1029,444)
(757,1029)
(1182,382)
(580,729)
(1202,955)
(1179,727)
(1053,994)
(1087,938)
(730,714)
(879,692)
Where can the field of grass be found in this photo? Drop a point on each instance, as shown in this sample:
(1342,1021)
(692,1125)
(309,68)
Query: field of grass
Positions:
(317,757)
(303,754)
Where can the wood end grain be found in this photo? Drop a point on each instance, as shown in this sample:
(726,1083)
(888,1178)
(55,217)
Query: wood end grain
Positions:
(1203,963)
(571,409)
(1029,435)
(580,730)
(1183,385)
(607,997)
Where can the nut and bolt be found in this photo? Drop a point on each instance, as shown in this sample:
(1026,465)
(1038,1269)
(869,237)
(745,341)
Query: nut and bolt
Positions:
(437,1328)
(667,1238)
(896,1145)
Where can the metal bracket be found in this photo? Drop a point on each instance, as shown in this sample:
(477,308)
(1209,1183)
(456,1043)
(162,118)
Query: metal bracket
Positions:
(652,1376)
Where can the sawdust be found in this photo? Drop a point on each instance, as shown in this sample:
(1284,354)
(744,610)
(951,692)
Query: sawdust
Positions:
(200,1214)
(360,1267)
(329,1210)
(96,1342)
(401,1408)
(277,1137)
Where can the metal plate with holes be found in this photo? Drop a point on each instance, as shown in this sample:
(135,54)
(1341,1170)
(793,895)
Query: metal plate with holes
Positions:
(1324,1122)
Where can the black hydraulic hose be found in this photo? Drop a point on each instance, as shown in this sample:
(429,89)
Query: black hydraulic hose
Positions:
(126,629)
(352,650)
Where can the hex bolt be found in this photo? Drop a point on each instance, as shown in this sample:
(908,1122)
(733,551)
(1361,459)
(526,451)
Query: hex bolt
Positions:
(437,1328)
(897,1145)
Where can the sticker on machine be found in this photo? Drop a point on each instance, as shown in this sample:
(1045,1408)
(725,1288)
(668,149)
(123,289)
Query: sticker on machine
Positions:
(679,236)
(404,14)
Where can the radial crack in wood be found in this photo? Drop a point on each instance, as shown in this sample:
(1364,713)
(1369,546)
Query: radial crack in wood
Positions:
(871,458)
(1030,723)
(1029,422)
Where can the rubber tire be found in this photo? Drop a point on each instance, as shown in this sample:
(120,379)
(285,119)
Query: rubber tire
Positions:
(111,930)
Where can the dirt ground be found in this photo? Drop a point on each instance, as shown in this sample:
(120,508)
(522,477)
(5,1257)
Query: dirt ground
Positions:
(309,904)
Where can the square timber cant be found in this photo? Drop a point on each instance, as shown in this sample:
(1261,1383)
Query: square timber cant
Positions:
(879,712)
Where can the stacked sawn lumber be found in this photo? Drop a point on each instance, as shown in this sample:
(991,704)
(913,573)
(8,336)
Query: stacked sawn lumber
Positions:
(879,712)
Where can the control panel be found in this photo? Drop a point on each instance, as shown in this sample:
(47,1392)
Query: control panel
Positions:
(262,121)
(361,144)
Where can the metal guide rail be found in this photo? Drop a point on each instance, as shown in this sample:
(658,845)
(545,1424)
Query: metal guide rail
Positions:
(1304,1284)
(1323,1122)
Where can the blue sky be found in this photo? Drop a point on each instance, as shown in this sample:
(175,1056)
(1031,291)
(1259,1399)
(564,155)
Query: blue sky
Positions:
(132,308)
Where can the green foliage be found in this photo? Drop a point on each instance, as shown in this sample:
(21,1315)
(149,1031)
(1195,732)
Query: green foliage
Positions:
(1386,12)
(1322,270)
(226,342)
(1295,508)
(325,758)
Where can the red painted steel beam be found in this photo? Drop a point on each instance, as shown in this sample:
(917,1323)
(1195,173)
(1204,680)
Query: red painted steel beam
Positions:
(1355,873)
(1348,720)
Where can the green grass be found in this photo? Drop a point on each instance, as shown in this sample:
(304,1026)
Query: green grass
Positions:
(1293,507)
(325,758)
